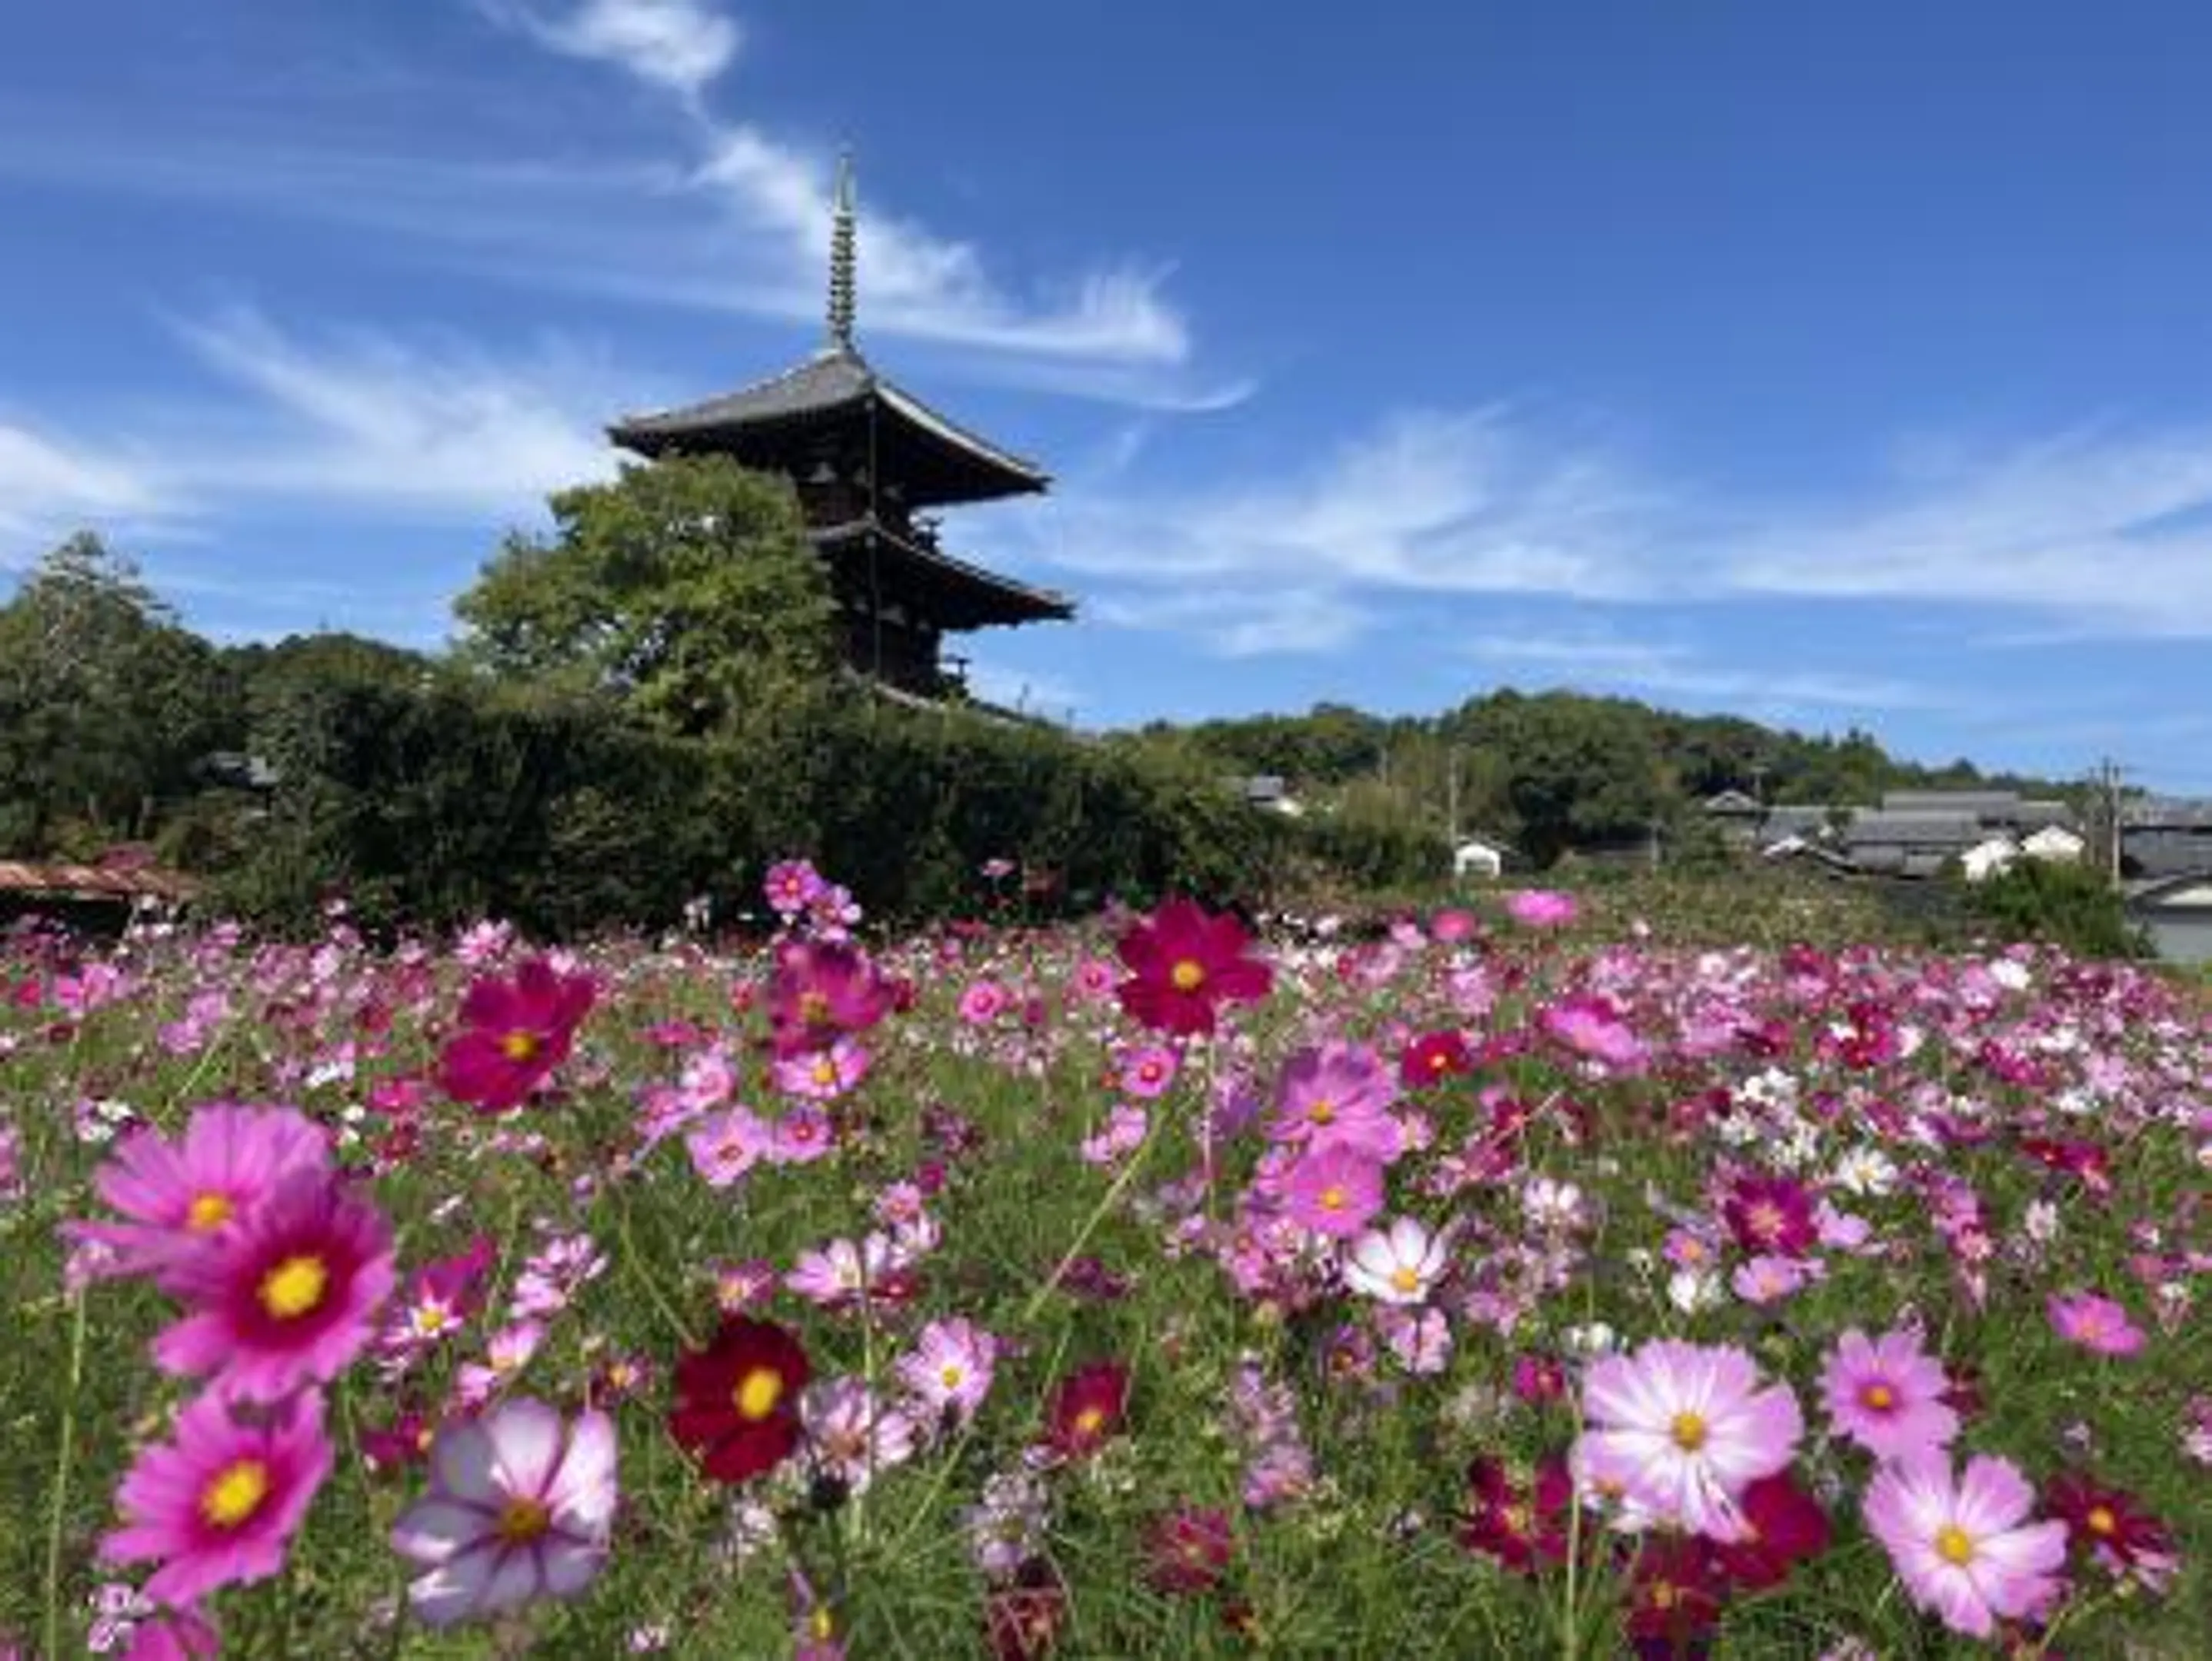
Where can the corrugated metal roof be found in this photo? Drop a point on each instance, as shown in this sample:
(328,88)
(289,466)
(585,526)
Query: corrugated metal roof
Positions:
(94,882)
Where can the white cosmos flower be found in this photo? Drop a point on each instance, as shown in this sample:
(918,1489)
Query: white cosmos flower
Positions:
(1399,1265)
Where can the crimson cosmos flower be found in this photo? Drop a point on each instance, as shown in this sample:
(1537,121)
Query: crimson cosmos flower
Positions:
(1784,1526)
(1089,1408)
(2109,1523)
(1188,1550)
(736,1401)
(1184,963)
(1522,1525)
(1434,1056)
(516,1033)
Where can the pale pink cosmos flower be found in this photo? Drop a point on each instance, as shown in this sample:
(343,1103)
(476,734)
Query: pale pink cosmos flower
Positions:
(852,1435)
(1963,1546)
(1887,1393)
(1766,1280)
(840,1271)
(951,1367)
(725,1146)
(1123,1133)
(2097,1323)
(219,1504)
(822,1075)
(506,1354)
(1400,1264)
(1681,1429)
(1592,1026)
(520,1508)
(1421,1339)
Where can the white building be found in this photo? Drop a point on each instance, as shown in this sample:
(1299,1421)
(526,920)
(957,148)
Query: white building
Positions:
(2056,844)
(1476,860)
(1989,858)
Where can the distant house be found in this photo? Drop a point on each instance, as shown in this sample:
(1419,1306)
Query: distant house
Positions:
(1475,859)
(1808,822)
(1737,814)
(2176,913)
(1268,790)
(2165,838)
(1910,842)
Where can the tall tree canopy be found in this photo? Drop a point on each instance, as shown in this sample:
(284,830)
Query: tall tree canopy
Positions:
(106,704)
(686,589)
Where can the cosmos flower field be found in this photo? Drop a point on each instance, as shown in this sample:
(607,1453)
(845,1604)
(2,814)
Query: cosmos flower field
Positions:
(1513,1280)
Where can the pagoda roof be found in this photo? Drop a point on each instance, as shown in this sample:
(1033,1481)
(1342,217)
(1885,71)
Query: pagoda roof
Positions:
(967,596)
(769,424)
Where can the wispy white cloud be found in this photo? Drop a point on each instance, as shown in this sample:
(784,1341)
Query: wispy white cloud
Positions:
(676,43)
(2094,534)
(365,422)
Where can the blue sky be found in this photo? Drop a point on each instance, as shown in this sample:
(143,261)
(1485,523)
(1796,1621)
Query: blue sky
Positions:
(1831,365)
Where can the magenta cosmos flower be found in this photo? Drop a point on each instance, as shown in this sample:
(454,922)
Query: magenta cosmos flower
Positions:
(1681,1429)
(1335,1191)
(287,1297)
(176,1197)
(519,1507)
(1184,963)
(218,1505)
(2098,1323)
(1964,1548)
(516,1033)
(1887,1393)
(1592,1026)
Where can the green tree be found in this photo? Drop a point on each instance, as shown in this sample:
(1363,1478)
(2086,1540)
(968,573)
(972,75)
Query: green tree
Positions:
(686,589)
(106,704)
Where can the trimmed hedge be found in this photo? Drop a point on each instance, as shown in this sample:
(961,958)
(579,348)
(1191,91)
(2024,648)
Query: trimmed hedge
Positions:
(433,803)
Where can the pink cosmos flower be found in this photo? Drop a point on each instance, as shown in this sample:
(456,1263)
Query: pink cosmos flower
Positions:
(1338,1094)
(1147,1072)
(1094,980)
(791,886)
(1335,1191)
(1542,908)
(1451,926)
(950,1367)
(801,1137)
(219,1504)
(2096,1323)
(1766,1280)
(1593,1027)
(821,989)
(437,1300)
(1771,1214)
(1963,1548)
(1680,1429)
(1887,1393)
(1123,1133)
(519,1507)
(178,1197)
(982,1002)
(287,1297)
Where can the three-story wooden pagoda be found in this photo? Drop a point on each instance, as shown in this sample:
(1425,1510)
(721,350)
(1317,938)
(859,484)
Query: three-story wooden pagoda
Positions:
(869,461)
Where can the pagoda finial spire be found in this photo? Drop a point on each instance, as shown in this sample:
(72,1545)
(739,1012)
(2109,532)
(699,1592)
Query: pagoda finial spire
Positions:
(842,258)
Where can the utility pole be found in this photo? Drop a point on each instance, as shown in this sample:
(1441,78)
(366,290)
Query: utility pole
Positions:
(1451,797)
(2109,774)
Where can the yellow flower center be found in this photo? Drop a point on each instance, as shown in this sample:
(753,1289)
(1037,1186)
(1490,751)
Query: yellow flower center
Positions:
(951,1375)
(1954,1545)
(2101,1520)
(523,1522)
(1188,975)
(1765,1221)
(757,1393)
(1688,1431)
(825,1072)
(235,1494)
(1332,1197)
(1663,1595)
(296,1286)
(1090,1421)
(1323,1111)
(208,1212)
(1879,1397)
(814,1008)
(519,1045)
(1405,1280)
(431,1319)
(822,1625)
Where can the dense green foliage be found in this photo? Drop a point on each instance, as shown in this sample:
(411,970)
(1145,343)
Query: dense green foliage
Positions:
(2061,904)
